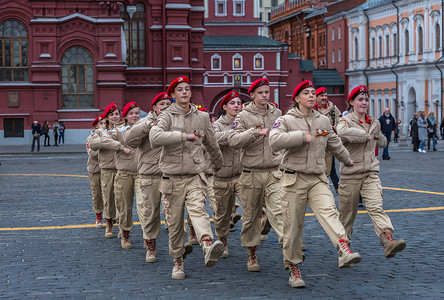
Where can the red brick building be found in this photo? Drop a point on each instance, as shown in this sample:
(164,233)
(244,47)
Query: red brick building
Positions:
(67,60)
(235,56)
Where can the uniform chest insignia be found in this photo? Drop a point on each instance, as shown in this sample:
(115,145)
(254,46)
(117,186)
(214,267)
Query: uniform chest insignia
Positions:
(234,125)
(277,124)
(197,133)
(342,123)
(155,123)
(214,128)
(87,145)
(321,132)
(259,127)
(376,138)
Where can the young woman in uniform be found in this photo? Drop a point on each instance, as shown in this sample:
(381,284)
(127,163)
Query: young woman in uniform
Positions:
(94,173)
(304,135)
(126,166)
(360,134)
(107,167)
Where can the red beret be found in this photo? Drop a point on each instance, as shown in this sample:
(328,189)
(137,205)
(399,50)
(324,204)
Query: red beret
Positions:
(109,109)
(176,82)
(159,97)
(321,90)
(228,97)
(356,91)
(258,83)
(97,120)
(303,85)
(128,107)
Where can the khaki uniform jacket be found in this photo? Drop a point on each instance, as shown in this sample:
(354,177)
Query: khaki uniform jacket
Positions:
(107,158)
(231,166)
(137,137)
(289,134)
(332,112)
(256,153)
(113,140)
(92,164)
(361,144)
(179,156)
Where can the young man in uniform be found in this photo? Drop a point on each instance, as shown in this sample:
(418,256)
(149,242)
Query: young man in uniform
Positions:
(260,176)
(182,131)
(226,180)
(328,109)
(147,183)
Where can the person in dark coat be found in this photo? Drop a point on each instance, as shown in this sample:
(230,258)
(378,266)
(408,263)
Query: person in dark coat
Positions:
(36,131)
(388,124)
(414,132)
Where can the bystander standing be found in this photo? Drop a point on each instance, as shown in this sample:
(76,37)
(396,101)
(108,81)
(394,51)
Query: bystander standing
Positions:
(388,124)
(45,131)
(36,131)
(432,127)
(56,130)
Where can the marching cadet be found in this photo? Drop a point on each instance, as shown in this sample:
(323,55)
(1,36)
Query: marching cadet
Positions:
(182,131)
(126,166)
(226,183)
(107,166)
(328,109)
(94,173)
(148,180)
(260,176)
(304,134)
(360,134)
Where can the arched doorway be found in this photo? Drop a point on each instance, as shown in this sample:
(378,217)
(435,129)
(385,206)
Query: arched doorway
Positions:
(215,103)
(411,107)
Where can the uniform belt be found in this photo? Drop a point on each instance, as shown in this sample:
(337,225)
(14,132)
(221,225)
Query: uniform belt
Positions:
(289,172)
(167,176)
(246,171)
(261,170)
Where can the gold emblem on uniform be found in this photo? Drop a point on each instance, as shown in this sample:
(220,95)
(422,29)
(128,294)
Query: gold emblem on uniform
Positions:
(197,133)
(180,79)
(321,132)
(233,94)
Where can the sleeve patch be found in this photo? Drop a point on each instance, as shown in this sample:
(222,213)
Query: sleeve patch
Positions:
(234,125)
(155,123)
(342,123)
(321,132)
(277,124)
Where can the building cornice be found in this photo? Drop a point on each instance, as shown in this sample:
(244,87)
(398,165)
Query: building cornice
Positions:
(77,15)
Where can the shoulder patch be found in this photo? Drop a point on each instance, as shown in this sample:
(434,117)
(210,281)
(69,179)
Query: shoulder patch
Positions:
(234,125)
(342,123)
(155,123)
(277,124)
(321,132)
(214,128)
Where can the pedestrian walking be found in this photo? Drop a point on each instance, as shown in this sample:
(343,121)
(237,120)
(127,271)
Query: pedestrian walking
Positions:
(45,131)
(361,134)
(182,131)
(126,175)
(432,127)
(93,168)
(397,130)
(107,164)
(422,131)
(305,135)
(56,131)
(414,131)
(388,124)
(36,132)
(260,168)
(149,174)
(226,180)
(62,130)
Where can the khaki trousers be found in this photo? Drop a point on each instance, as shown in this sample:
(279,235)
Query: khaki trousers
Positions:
(225,191)
(257,187)
(96,192)
(124,193)
(107,179)
(210,192)
(328,162)
(369,187)
(148,205)
(298,190)
(178,192)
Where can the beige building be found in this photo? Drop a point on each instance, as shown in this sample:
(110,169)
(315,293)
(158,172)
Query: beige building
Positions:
(265,7)
(395,47)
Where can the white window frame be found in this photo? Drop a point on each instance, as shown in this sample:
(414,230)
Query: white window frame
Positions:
(220,62)
(332,56)
(339,55)
(216,5)
(242,3)
(339,32)
(260,56)
(237,55)
(332,34)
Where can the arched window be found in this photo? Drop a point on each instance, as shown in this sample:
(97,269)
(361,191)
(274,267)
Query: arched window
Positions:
(356,49)
(406,39)
(437,37)
(420,41)
(134,28)
(13,51)
(77,78)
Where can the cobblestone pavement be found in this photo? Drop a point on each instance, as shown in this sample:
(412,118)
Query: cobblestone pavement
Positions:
(79,262)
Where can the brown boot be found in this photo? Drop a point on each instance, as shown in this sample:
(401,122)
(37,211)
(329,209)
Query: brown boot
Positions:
(178,272)
(125,241)
(295,279)
(151,251)
(109,229)
(390,246)
(225,253)
(212,251)
(252,264)
(99,223)
(346,257)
